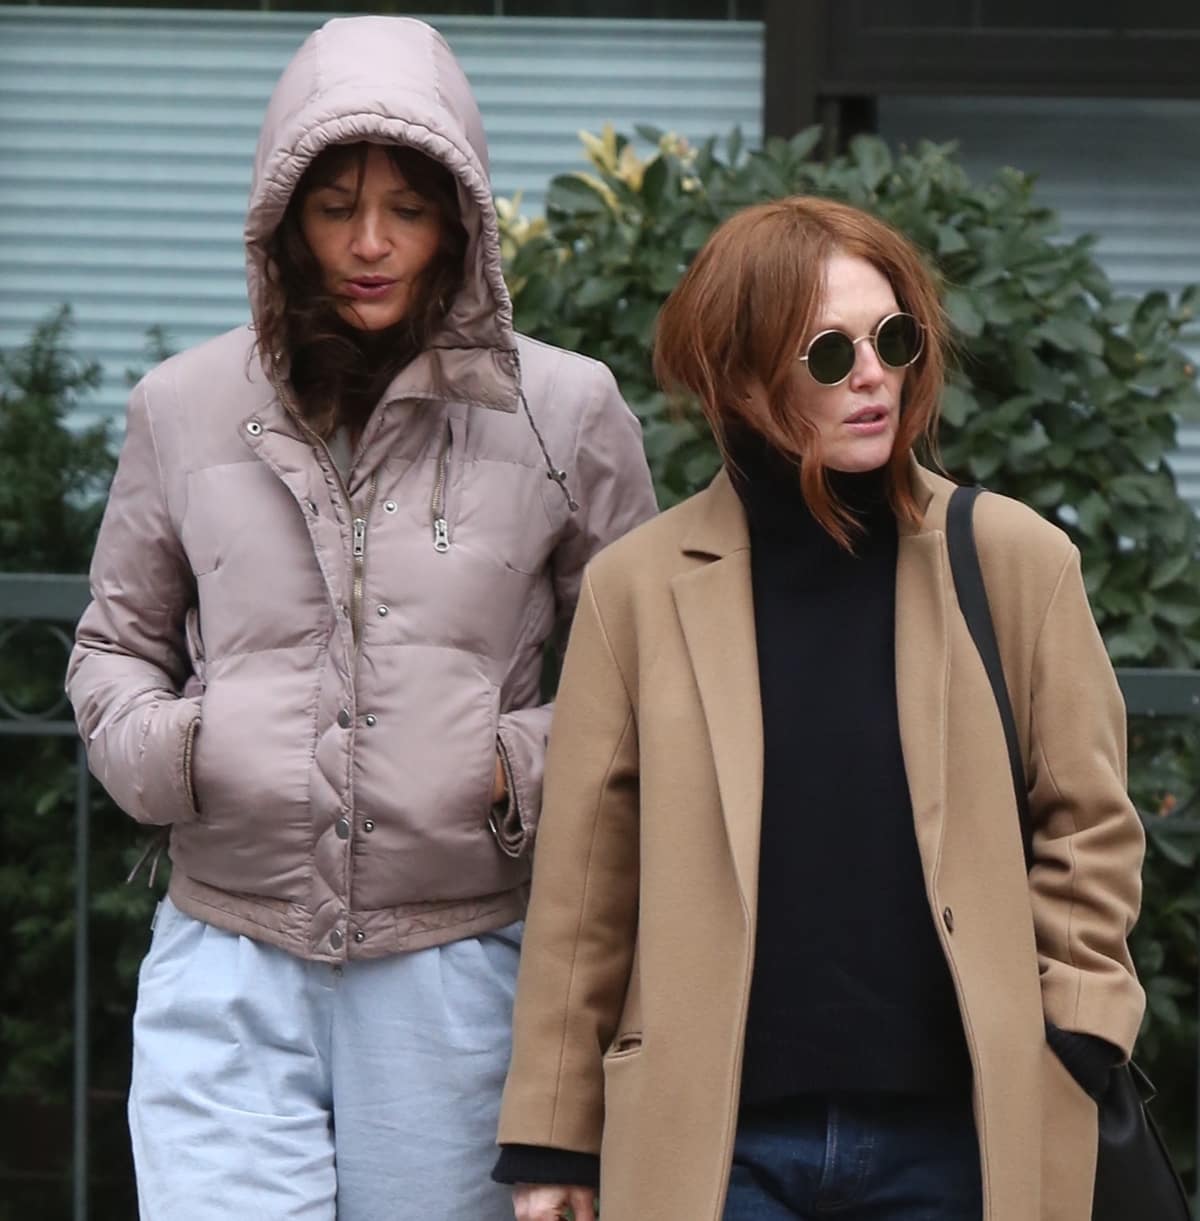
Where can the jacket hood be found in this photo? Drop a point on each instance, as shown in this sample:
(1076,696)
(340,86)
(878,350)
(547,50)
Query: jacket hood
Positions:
(394,80)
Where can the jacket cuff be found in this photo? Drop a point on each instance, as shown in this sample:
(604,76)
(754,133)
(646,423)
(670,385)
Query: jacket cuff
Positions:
(541,1164)
(1087,1058)
(167,788)
(506,822)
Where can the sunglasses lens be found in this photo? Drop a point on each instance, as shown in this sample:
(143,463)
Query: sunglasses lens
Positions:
(830,357)
(898,341)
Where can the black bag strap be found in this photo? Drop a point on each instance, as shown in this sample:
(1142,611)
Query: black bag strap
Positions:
(973,601)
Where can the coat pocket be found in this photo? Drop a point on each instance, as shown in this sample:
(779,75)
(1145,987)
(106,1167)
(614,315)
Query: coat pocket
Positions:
(627,1042)
(1069,1136)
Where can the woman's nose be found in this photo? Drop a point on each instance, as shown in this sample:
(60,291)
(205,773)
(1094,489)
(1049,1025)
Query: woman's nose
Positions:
(370,239)
(868,369)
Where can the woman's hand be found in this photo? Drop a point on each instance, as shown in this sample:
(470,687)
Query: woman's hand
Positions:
(499,781)
(538,1202)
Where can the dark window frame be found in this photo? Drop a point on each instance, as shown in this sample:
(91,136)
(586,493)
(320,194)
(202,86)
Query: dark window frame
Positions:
(825,61)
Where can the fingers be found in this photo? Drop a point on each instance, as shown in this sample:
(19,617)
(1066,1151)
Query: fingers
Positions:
(539,1202)
(583,1203)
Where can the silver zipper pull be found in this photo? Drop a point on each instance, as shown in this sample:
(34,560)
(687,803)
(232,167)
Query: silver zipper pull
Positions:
(441,535)
(360,537)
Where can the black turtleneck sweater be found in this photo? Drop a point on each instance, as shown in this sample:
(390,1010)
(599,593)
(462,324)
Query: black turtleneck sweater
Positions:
(850,990)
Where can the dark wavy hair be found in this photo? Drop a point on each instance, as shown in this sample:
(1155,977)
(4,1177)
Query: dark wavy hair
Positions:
(339,371)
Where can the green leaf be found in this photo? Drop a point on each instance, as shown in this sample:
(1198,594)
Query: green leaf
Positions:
(1071,335)
(1170,569)
(1178,853)
(804,142)
(963,314)
(1093,513)
(654,181)
(950,240)
(870,154)
(695,233)
(598,291)
(984,464)
(733,145)
(1184,615)
(569,195)
(958,405)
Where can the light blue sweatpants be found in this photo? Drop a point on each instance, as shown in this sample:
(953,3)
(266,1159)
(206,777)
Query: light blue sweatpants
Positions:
(267,1088)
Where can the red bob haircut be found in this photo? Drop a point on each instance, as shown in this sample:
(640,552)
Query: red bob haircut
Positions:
(730,333)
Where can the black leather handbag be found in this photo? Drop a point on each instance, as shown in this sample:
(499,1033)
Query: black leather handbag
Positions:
(1135,1180)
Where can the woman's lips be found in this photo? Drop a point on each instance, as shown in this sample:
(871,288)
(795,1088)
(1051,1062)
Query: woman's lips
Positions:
(868,421)
(368,288)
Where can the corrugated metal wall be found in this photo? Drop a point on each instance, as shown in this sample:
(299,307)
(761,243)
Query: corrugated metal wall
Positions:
(1123,169)
(126,138)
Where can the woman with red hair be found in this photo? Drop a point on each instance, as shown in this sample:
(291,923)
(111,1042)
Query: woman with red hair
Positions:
(783,956)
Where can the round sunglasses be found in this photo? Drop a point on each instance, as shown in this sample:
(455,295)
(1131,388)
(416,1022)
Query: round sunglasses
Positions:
(898,340)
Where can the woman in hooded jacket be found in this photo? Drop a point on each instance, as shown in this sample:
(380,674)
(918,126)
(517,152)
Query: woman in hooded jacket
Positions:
(336,546)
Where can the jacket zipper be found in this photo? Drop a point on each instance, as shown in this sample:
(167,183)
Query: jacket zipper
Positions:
(360,561)
(441,528)
(358,524)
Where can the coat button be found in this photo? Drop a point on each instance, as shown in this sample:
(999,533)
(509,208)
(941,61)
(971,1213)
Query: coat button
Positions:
(948,919)
(343,718)
(371,719)
(311,505)
(382,611)
(390,506)
(360,936)
(336,939)
(342,827)
(368,825)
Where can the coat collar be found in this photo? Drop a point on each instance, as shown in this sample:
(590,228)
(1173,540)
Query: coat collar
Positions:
(720,528)
(716,611)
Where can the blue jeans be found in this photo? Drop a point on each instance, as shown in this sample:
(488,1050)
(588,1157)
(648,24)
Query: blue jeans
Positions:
(856,1158)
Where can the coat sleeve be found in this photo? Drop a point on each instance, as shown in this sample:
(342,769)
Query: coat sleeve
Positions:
(1088,842)
(130,657)
(578,946)
(612,484)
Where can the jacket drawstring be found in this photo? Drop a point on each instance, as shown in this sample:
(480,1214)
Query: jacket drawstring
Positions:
(552,471)
(153,853)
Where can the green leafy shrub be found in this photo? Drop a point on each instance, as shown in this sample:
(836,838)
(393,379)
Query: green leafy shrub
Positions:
(52,484)
(1065,395)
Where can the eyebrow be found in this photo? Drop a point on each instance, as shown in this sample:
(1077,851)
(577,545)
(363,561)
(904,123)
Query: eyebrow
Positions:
(843,326)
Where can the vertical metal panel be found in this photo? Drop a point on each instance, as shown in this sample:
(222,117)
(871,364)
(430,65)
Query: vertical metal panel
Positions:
(126,138)
(1121,169)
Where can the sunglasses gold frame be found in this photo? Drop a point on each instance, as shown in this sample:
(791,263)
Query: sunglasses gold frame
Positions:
(873,336)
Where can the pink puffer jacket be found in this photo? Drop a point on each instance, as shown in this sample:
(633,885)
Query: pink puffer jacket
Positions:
(353,651)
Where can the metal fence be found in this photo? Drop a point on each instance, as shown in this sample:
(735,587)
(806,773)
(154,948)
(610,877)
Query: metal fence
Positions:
(53,604)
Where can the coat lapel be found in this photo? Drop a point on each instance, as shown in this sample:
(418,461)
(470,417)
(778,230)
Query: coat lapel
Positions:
(716,610)
(923,679)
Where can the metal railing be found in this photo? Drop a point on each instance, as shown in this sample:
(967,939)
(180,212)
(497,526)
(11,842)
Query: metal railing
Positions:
(55,602)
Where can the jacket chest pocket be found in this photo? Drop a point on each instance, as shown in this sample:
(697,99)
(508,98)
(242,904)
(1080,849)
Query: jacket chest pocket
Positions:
(239,512)
(249,548)
(500,512)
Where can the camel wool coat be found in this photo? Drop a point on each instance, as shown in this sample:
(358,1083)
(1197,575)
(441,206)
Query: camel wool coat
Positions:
(639,945)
